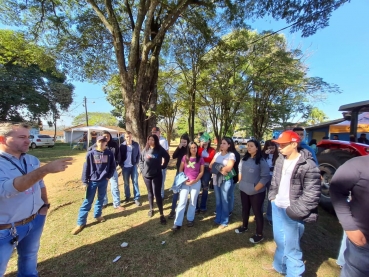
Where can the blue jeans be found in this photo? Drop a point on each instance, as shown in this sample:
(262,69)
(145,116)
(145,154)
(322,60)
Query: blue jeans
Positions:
(100,187)
(231,197)
(164,172)
(131,172)
(287,234)
(205,180)
(222,202)
(356,260)
(28,244)
(183,196)
(114,188)
(341,259)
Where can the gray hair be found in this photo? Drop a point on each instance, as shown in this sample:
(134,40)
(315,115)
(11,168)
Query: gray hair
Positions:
(7,127)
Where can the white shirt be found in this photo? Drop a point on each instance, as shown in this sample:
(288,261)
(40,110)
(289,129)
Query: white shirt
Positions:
(282,200)
(164,143)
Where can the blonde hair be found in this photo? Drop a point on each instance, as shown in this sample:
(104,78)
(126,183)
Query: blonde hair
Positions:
(7,127)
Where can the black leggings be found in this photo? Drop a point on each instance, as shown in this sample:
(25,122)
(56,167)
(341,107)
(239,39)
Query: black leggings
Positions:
(154,188)
(255,201)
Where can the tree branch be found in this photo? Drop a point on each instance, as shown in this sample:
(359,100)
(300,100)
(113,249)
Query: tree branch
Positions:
(101,15)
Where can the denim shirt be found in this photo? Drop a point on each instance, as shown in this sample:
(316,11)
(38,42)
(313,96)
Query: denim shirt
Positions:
(16,205)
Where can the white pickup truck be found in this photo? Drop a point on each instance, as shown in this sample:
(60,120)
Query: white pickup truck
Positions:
(39,140)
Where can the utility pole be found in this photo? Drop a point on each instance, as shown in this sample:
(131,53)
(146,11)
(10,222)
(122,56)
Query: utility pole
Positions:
(85,99)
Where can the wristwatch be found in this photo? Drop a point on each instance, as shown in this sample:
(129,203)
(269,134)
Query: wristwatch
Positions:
(46,206)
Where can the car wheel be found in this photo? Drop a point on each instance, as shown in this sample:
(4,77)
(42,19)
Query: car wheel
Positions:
(236,142)
(33,145)
(328,164)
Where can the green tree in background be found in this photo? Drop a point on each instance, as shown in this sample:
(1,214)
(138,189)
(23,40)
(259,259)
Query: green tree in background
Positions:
(96,118)
(31,85)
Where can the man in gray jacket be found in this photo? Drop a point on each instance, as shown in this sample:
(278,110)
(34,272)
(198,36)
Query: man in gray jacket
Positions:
(294,193)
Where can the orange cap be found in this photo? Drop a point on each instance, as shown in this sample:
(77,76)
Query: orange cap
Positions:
(287,136)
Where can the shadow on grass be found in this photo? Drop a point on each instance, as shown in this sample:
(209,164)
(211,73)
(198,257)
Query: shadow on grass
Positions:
(200,250)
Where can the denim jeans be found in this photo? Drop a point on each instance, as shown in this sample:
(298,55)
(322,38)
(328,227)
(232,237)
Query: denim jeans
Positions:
(287,234)
(174,201)
(28,244)
(341,259)
(205,180)
(183,196)
(356,260)
(164,172)
(222,202)
(114,188)
(131,172)
(231,197)
(100,187)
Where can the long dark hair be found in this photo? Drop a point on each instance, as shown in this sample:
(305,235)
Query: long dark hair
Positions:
(188,154)
(258,155)
(265,148)
(156,140)
(185,137)
(111,142)
(229,140)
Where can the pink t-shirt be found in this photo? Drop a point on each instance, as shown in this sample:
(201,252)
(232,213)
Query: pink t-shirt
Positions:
(191,168)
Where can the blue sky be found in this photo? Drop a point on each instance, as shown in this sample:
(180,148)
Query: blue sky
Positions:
(338,53)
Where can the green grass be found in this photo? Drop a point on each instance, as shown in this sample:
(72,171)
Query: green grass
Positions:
(199,251)
(60,150)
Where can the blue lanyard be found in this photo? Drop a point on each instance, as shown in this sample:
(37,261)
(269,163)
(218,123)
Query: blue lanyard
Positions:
(24,172)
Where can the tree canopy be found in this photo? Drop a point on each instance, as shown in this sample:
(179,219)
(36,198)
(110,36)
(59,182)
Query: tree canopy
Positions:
(32,87)
(96,118)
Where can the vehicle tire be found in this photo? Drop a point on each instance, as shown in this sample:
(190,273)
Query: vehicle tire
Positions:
(236,142)
(33,145)
(50,146)
(328,164)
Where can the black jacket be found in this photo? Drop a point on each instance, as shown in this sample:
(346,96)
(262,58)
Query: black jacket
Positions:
(151,161)
(304,187)
(135,157)
(178,154)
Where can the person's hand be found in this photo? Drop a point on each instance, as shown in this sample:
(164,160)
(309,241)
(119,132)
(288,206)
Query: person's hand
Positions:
(58,165)
(43,211)
(258,187)
(356,237)
(84,186)
(180,145)
(267,151)
(224,173)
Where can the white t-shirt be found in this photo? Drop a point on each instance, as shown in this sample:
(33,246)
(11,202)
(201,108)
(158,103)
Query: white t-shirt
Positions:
(224,159)
(128,161)
(282,200)
(164,143)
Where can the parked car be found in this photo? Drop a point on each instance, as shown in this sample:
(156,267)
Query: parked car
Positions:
(240,140)
(40,141)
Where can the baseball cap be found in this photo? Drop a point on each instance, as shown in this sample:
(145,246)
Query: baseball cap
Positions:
(287,136)
(101,138)
(155,129)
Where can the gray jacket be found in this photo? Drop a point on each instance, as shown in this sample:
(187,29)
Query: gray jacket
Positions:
(304,187)
(252,174)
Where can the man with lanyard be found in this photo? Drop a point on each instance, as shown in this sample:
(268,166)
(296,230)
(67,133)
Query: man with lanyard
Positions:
(23,198)
(164,143)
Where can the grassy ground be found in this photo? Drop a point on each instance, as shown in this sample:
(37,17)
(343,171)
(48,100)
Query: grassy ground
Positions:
(60,150)
(199,251)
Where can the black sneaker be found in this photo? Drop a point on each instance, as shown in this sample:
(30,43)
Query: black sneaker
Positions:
(126,200)
(197,211)
(256,238)
(150,213)
(163,220)
(176,228)
(172,215)
(241,229)
(190,224)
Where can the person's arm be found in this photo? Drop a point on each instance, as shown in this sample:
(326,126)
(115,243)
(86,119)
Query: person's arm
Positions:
(24,182)
(226,169)
(138,152)
(240,171)
(43,211)
(141,161)
(176,152)
(343,181)
(112,166)
(213,161)
(181,167)
(264,175)
(166,159)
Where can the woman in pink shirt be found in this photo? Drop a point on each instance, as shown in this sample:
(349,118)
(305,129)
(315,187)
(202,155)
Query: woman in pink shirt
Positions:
(193,167)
